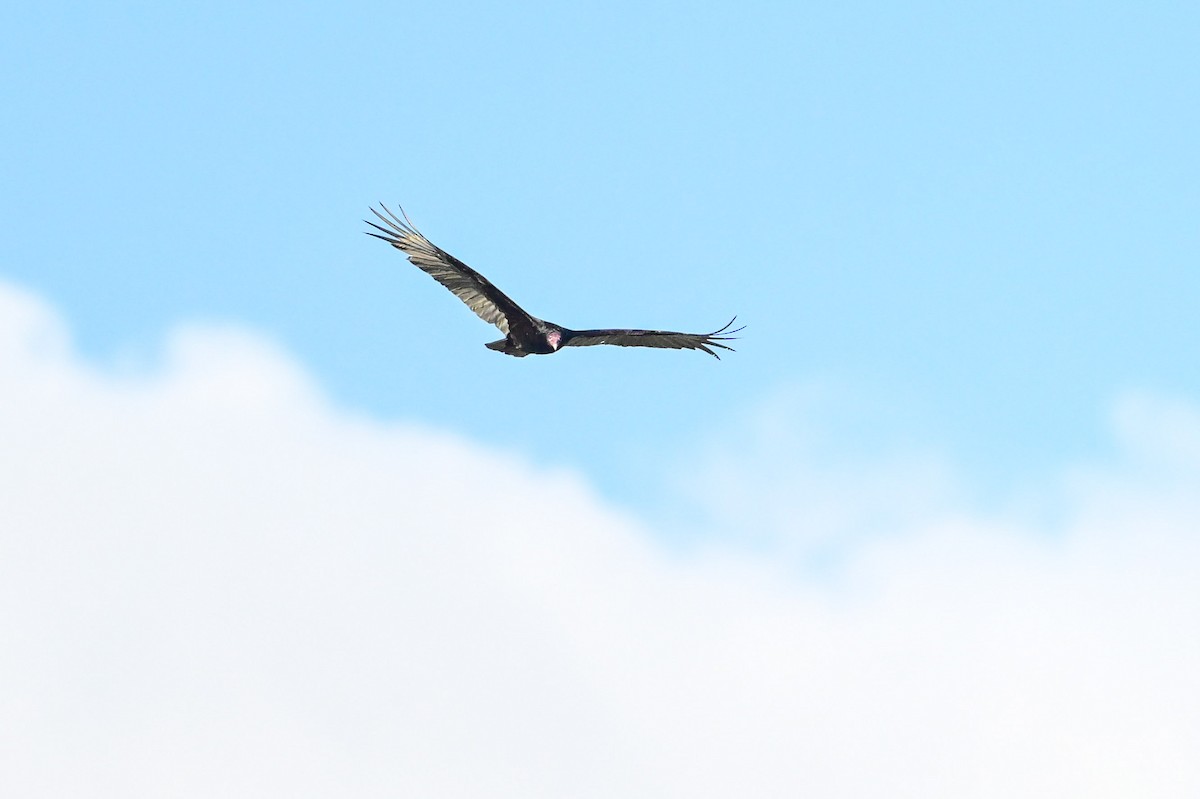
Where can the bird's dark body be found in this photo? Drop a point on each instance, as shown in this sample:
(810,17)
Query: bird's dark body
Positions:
(536,342)
(524,334)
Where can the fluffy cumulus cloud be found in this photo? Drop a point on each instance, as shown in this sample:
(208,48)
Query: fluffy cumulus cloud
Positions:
(212,583)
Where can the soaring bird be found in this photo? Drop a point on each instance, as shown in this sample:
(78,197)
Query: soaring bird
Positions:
(524,334)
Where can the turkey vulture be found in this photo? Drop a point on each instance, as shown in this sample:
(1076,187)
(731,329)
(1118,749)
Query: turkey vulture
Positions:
(523,334)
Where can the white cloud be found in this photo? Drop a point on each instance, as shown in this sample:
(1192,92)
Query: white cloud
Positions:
(214,584)
(799,475)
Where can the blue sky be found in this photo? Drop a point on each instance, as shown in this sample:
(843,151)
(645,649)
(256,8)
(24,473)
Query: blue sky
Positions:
(977,219)
(274,521)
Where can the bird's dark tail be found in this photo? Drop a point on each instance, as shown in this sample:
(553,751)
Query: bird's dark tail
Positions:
(505,346)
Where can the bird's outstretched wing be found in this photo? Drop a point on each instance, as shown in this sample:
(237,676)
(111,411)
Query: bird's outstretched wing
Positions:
(488,302)
(654,338)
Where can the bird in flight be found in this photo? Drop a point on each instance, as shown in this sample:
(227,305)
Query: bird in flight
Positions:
(524,334)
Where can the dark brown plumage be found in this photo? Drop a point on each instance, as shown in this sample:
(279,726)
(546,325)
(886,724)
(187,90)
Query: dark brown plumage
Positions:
(524,334)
